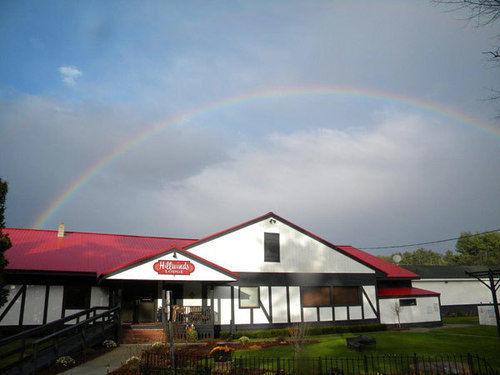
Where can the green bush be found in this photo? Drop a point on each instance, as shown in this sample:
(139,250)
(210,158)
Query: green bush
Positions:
(313,331)
(191,335)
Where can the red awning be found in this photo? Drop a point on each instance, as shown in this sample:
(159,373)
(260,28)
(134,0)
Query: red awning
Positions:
(404,292)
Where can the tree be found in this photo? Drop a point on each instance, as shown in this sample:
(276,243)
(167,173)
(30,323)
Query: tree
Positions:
(484,12)
(4,242)
(480,249)
(420,257)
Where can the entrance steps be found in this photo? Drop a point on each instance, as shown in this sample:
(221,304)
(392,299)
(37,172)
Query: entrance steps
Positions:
(142,335)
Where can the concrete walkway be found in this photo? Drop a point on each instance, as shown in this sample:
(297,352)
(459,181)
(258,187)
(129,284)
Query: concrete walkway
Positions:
(444,326)
(109,361)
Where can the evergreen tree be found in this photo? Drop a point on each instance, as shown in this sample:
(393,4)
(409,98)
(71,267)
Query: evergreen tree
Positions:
(4,242)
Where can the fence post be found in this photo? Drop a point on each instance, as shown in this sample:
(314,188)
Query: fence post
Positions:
(365,363)
(172,347)
(415,362)
(470,363)
(278,365)
(320,368)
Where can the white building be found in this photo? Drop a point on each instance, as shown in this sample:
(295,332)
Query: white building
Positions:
(460,293)
(264,273)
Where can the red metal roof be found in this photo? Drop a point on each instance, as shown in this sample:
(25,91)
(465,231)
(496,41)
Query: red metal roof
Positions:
(404,292)
(41,250)
(391,270)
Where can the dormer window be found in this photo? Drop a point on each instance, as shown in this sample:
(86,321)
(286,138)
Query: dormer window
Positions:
(271,247)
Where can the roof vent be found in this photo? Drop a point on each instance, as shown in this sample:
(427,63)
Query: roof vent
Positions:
(60,231)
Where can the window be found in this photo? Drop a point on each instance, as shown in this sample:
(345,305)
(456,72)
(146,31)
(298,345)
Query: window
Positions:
(408,302)
(76,297)
(249,296)
(316,296)
(271,247)
(346,296)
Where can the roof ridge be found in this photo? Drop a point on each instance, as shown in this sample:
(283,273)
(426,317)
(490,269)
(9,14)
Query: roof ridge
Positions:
(103,234)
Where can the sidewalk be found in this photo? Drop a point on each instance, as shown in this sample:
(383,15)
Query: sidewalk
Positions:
(107,362)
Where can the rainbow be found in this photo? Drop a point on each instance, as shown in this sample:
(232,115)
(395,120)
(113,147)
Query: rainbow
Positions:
(359,93)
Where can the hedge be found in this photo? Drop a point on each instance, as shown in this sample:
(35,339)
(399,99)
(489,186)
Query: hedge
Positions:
(312,331)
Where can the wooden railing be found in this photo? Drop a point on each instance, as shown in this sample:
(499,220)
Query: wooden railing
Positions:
(38,347)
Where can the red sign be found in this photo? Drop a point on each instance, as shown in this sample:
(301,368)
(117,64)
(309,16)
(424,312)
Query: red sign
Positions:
(173,267)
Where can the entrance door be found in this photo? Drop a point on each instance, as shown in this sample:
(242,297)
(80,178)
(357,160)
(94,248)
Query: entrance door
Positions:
(138,304)
(146,310)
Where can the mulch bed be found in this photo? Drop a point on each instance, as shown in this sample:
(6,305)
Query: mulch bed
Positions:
(204,350)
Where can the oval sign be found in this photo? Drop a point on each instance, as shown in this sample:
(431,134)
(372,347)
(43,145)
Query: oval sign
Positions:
(173,267)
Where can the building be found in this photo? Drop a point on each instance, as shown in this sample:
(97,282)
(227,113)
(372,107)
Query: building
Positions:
(267,272)
(460,293)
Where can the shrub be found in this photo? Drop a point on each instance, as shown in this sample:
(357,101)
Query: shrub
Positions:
(243,339)
(66,361)
(158,345)
(221,353)
(191,335)
(322,330)
(133,362)
(108,344)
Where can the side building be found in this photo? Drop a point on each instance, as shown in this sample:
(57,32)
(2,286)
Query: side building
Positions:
(264,273)
(460,293)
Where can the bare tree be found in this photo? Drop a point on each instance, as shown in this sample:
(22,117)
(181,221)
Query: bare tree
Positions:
(397,310)
(483,12)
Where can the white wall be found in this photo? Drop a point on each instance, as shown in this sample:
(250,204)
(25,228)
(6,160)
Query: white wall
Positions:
(458,291)
(222,302)
(34,304)
(55,303)
(278,300)
(12,317)
(243,251)
(99,296)
(367,309)
(426,310)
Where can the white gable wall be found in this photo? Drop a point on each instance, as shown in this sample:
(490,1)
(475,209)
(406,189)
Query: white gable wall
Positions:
(145,271)
(243,251)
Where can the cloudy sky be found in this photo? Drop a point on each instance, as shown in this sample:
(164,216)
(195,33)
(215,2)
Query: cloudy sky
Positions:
(380,134)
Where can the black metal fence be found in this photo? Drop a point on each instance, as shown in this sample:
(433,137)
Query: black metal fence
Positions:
(461,364)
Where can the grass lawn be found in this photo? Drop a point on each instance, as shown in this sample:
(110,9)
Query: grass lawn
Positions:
(477,339)
(461,320)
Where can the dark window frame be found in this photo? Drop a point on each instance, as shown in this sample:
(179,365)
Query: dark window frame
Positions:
(304,288)
(359,299)
(408,302)
(271,253)
(249,307)
(82,297)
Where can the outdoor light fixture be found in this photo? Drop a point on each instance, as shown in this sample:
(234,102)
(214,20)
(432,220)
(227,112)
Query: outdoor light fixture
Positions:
(175,254)
(272,221)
